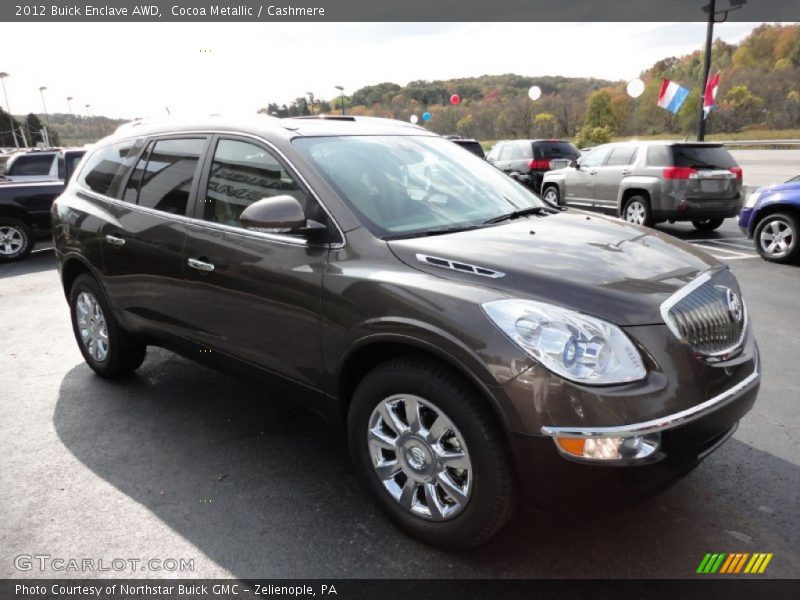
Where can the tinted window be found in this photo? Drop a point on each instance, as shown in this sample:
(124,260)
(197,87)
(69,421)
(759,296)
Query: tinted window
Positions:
(702,157)
(243,173)
(595,158)
(621,155)
(31,164)
(168,174)
(472,146)
(105,169)
(550,150)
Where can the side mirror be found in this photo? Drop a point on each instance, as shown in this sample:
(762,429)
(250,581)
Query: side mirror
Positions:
(576,164)
(278,214)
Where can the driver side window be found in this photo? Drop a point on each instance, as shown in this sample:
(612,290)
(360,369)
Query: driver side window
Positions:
(243,173)
(595,158)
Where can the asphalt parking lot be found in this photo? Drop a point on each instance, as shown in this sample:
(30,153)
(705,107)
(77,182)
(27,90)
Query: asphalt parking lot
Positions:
(182,462)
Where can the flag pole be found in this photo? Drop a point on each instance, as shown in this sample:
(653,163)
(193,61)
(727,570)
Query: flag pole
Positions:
(701,119)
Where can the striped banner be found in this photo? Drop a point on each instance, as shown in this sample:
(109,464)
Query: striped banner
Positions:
(734,563)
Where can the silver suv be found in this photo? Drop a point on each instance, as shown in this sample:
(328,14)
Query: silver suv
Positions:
(651,182)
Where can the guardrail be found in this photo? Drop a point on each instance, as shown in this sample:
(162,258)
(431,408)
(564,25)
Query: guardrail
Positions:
(758,142)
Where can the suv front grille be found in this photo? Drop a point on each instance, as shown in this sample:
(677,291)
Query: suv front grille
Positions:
(709,315)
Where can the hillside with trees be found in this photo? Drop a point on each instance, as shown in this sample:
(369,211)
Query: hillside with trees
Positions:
(759,89)
(64,129)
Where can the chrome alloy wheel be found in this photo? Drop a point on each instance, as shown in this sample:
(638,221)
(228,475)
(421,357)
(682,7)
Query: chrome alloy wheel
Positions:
(92,326)
(11,240)
(635,212)
(776,238)
(420,457)
(551,196)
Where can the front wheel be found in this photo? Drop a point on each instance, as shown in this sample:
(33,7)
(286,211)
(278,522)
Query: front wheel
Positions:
(431,453)
(106,347)
(551,195)
(16,239)
(776,238)
(637,211)
(707,224)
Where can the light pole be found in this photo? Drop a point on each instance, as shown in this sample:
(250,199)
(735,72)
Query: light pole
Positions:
(46,119)
(311,99)
(341,96)
(72,118)
(8,108)
(711,10)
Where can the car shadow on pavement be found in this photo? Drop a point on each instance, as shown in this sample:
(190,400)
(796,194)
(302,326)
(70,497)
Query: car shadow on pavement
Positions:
(42,260)
(265,489)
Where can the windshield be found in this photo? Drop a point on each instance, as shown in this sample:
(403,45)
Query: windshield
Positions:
(403,186)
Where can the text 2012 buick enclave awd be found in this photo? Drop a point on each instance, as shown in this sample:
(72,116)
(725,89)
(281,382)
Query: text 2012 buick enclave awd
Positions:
(478,346)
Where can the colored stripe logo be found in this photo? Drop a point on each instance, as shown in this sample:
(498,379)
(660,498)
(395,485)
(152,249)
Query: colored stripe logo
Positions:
(734,563)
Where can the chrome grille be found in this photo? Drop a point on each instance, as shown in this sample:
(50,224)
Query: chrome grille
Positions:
(708,314)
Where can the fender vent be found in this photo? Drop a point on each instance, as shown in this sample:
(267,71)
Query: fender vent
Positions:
(444,263)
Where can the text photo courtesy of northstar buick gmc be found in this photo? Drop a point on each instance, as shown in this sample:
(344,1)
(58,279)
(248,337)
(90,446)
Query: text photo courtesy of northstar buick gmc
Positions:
(481,349)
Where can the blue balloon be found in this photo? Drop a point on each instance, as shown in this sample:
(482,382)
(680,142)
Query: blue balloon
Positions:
(426,116)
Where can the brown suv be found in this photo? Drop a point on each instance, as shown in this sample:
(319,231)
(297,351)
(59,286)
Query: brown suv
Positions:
(478,346)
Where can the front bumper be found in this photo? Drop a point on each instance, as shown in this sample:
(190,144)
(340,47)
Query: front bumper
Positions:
(549,478)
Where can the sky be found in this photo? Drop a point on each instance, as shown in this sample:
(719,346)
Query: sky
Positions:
(129,70)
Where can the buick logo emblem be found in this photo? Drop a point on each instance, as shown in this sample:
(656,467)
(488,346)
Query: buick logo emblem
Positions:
(735,308)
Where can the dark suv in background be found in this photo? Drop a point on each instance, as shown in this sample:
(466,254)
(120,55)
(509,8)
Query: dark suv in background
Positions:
(392,282)
(528,160)
(651,182)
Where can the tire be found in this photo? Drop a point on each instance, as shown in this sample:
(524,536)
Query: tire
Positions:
(16,239)
(707,224)
(551,194)
(484,494)
(121,354)
(637,211)
(786,248)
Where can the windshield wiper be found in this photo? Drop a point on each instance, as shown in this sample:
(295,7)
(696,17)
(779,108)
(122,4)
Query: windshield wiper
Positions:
(523,212)
(435,231)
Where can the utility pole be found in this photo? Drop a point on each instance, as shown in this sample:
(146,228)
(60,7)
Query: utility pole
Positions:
(711,10)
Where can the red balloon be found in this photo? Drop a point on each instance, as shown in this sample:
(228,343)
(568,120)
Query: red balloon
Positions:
(455,99)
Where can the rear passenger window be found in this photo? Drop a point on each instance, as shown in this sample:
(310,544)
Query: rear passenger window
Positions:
(243,173)
(166,178)
(658,156)
(31,164)
(621,156)
(106,168)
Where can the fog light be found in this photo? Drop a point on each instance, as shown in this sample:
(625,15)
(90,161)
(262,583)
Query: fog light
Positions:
(610,448)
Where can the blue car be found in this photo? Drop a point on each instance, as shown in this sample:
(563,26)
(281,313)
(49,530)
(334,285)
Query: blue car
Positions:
(771,216)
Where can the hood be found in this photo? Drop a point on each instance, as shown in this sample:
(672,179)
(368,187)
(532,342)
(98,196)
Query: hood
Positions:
(791,186)
(591,263)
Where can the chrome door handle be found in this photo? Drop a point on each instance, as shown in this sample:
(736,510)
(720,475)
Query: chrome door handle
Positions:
(115,241)
(206,267)
(626,172)
(592,172)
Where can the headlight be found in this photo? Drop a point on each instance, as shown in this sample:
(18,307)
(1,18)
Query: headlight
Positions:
(752,199)
(577,347)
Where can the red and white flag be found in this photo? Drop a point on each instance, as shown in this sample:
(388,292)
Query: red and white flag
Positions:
(710,97)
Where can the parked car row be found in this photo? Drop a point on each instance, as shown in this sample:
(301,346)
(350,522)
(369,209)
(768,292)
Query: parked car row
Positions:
(480,349)
(25,205)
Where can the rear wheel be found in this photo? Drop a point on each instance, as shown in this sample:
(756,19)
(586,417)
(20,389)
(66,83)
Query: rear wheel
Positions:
(551,195)
(776,238)
(431,453)
(106,347)
(637,211)
(707,224)
(16,239)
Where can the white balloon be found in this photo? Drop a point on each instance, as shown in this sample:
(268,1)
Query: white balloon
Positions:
(635,88)
(414,119)
(535,92)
